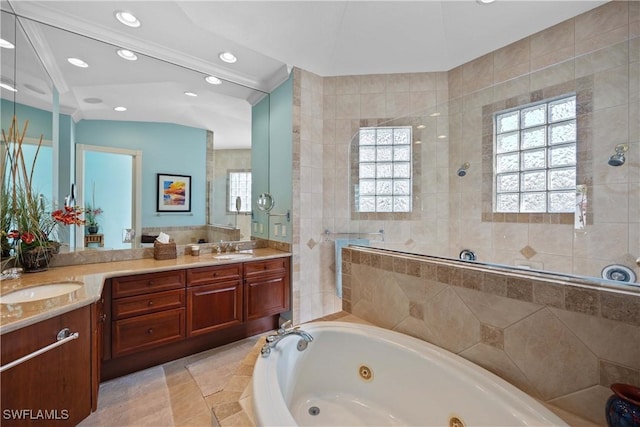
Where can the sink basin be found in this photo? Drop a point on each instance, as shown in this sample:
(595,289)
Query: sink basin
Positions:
(233,256)
(41,292)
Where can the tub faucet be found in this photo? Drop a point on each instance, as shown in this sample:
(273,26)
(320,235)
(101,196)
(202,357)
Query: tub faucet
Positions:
(285,330)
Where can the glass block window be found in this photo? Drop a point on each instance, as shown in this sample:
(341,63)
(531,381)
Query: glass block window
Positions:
(384,165)
(535,157)
(239,185)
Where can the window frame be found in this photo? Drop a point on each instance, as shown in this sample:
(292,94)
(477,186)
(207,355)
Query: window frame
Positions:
(547,148)
(230,201)
(378,180)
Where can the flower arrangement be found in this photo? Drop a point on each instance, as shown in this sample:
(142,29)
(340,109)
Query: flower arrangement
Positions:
(91,215)
(29,230)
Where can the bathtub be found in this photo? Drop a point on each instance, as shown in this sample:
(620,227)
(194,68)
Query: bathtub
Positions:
(361,375)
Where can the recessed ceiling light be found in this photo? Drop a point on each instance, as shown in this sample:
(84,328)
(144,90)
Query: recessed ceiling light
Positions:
(420,127)
(120,108)
(228,57)
(8,87)
(127,54)
(77,62)
(213,80)
(485,1)
(6,44)
(127,19)
(434,114)
(442,136)
(191,94)
(418,142)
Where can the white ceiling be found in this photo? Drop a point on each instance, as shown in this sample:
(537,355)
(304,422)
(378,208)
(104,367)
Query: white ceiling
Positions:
(328,38)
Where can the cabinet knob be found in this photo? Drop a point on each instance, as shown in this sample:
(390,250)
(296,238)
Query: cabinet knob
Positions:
(150,302)
(103,317)
(150,331)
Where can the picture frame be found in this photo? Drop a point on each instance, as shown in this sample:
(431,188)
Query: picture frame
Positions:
(174,193)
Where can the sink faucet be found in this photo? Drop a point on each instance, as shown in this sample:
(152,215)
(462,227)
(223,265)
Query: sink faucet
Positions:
(224,246)
(285,330)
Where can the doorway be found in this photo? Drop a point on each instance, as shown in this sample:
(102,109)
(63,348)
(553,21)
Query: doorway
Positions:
(109,179)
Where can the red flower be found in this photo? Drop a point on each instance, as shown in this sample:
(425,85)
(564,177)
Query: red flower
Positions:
(70,215)
(28,238)
(13,234)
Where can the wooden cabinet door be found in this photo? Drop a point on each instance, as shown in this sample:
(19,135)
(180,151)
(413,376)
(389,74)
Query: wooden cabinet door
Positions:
(213,306)
(266,295)
(56,385)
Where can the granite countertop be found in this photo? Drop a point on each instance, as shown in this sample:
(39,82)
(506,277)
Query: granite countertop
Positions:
(92,277)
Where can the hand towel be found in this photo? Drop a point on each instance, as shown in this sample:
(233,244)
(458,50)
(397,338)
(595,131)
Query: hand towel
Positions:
(341,243)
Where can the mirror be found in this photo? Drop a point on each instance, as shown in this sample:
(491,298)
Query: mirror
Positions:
(215,125)
(265,202)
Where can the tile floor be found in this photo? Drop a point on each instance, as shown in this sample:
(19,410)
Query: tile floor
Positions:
(212,388)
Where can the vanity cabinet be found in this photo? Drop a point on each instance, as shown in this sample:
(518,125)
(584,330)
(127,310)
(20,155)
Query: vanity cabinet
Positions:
(266,285)
(157,317)
(147,311)
(214,298)
(53,388)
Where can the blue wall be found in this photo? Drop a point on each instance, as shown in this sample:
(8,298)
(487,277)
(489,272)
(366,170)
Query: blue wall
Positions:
(166,148)
(40,121)
(259,165)
(280,156)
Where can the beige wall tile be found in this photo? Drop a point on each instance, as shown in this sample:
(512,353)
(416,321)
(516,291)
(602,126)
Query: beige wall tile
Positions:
(496,361)
(607,339)
(446,312)
(553,75)
(478,73)
(511,61)
(602,26)
(553,45)
(375,83)
(373,105)
(553,370)
(496,310)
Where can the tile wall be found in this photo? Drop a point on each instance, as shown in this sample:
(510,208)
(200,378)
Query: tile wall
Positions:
(562,342)
(601,47)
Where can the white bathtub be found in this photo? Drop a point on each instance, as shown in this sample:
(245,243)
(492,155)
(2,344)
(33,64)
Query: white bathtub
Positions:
(413,383)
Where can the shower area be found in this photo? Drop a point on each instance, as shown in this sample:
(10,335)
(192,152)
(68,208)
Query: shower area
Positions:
(452,115)
(536,170)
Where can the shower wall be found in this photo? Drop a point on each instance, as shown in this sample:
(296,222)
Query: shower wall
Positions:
(596,54)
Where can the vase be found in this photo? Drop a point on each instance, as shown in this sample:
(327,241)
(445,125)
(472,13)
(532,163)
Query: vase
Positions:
(36,259)
(623,407)
(92,229)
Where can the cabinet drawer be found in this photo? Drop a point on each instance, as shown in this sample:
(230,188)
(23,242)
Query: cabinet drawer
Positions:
(218,273)
(277,265)
(147,331)
(144,283)
(147,303)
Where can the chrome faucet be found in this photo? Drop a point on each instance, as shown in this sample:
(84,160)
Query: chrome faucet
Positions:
(224,246)
(285,330)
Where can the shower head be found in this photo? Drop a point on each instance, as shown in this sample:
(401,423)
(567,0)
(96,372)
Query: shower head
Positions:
(462,171)
(618,158)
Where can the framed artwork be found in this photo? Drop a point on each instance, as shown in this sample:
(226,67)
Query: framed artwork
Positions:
(174,193)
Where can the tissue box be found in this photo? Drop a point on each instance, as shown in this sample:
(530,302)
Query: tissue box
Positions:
(164,250)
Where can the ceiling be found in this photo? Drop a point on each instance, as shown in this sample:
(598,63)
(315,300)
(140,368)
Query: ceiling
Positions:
(328,38)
